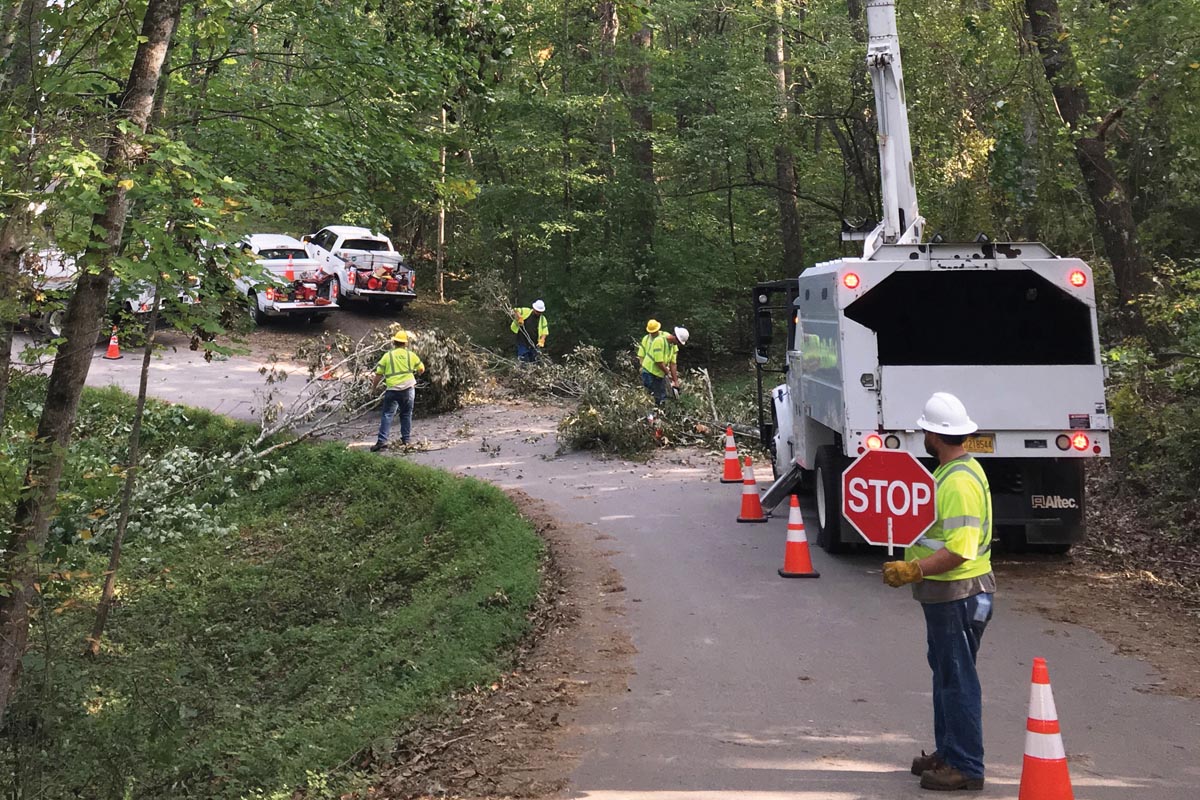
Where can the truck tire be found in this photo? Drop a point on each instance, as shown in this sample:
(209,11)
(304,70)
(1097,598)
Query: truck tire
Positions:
(828,489)
(256,312)
(52,323)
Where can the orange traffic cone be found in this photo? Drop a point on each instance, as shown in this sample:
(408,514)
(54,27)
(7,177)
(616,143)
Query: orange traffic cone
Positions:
(797,563)
(1044,775)
(114,350)
(733,469)
(752,510)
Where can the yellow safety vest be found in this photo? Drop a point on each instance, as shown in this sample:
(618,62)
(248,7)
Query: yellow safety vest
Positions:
(399,367)
(964,520)
(524,314)
(653,350)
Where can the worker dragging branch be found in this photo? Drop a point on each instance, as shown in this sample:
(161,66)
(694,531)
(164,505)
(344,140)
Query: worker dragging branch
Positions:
(530,325)
(398,371)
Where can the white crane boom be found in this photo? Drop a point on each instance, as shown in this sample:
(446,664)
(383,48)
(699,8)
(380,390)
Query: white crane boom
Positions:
(901,223)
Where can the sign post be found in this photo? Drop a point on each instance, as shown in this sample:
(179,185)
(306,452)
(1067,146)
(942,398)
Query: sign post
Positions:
(888,496)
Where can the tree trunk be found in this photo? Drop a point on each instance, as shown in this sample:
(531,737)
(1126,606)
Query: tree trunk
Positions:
(1110,200)
(860,151)
(785,165)
(20,37)
(440,256)
(644,212)
(610,28)
(92,648)
(31,523)
(568,198)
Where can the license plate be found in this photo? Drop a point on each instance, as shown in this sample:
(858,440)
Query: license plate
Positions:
(980,443)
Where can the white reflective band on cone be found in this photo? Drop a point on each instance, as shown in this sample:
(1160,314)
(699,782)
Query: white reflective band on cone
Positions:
(1041,702)
(1046,746)
(796,535)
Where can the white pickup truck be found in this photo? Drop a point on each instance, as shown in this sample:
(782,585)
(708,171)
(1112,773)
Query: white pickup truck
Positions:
(367,266)
(298,285)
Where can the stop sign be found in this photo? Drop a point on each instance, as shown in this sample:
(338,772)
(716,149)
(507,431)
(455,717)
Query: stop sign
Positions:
(887,495)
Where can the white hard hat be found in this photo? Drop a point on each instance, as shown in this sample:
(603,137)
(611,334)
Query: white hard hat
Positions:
(539,306)
(945,413)
(682,335)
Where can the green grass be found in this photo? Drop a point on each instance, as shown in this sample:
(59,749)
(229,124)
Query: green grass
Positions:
(354,593)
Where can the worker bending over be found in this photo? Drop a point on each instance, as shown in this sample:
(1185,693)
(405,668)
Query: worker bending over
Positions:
(658,354)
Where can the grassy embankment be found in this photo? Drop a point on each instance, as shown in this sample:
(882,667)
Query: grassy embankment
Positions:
(271,638)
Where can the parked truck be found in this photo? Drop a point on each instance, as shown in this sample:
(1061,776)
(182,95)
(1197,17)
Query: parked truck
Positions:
(1008,327)
(52,274)
(367,266)
(296,286)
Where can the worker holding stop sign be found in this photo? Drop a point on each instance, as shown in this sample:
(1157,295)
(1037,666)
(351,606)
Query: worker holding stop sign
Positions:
(950,569)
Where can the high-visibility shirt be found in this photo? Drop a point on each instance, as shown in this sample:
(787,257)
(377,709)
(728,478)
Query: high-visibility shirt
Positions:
(399,367)
(672,353)
(523,314)
(964,520)
(653,351)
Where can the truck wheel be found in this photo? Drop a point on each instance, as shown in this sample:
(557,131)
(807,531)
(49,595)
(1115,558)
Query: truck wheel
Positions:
(52,323)
(828,490)
(256,312)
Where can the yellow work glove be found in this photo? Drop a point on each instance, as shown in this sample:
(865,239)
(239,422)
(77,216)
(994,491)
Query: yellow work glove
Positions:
(898,573)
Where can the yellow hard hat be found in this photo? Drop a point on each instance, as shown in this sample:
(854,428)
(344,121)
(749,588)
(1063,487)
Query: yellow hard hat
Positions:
(400,336)
(653,326)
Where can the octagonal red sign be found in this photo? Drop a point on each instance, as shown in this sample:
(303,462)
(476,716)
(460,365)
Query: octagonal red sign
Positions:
(887,495)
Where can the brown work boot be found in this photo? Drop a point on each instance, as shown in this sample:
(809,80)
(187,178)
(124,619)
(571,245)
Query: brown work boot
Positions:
(924,762)
(947,779)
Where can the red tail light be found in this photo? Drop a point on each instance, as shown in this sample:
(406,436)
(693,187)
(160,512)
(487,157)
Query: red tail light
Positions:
(1077,278)
(270,293)
(1080,441)
(850,280)
(874,441)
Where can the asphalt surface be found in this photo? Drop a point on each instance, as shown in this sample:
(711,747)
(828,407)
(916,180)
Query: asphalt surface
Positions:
(750,686)
(232,386)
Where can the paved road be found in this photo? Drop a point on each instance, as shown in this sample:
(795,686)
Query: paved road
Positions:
(229,386)
(752,687)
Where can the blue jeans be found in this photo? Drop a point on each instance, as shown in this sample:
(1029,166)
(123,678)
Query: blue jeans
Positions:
(397,399)
(954,631)
(656,386)
(526,352)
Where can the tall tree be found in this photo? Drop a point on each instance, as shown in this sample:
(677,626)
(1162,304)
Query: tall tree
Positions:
(1109,198)
(21,35)
(785,164)
(644,216)
(31,524)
